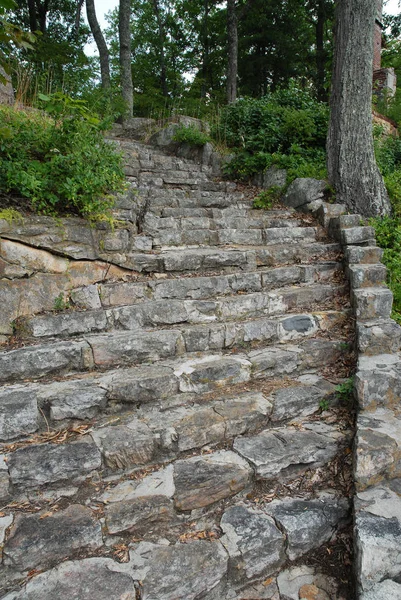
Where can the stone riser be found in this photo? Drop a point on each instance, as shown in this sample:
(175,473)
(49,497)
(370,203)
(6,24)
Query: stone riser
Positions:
(219,259)
(146,315)
(244,237)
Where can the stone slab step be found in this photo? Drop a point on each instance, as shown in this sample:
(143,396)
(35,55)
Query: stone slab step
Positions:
(245,237)
(182,260)
(151,314)
(153,224)
(199,373)
(202,288)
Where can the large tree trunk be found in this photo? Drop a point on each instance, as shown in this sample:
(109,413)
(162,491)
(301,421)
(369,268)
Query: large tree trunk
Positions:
(100,43)
(232,66)
(351,162)
(124,22)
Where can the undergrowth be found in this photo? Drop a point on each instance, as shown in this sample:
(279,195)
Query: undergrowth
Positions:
(58,159)
(286,128)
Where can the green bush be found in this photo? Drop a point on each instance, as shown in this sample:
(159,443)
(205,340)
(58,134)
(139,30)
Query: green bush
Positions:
(59,161)
(268,198)
(286,128)
(191,135)
(388,236)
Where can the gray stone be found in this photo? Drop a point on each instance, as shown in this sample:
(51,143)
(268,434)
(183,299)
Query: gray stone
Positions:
(382,336)
(377,447)
(79,580)
(377,536)
(271,362)
(50,463)
(179,572)
(302,191)
(116,294)
(39,361)
(65,324)
(385,590)
(297,326)
(362,276)
(86,297)
(79,399)
(137,128)
(306,583)
(254,543)
(325,212)
(18,412)
(42,540)
(4,479)
(203,480)
(124,446)
(122,348)
(308,523)
(143,384)
(286,452)
(294,402)
(377,381)
(205,374)
(363,254)
(146,515)
(158,483)
(355,236)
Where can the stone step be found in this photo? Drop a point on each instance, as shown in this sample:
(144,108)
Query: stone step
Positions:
(144,439)
(247,237)
(202,288)
(104,351)
(286,217)
(246,258)
(154,225)
(176,387)
(146,315)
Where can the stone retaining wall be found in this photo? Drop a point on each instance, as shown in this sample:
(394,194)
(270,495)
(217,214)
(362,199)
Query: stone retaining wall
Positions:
(377,390)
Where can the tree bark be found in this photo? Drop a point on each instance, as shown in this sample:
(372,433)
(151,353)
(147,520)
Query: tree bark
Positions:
(232,64)
(124,22)
(33,23)
(100,43)
(351,162)
(162,39)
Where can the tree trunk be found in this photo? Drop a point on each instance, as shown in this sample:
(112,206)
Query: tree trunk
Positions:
(320,53)
(351,162)
(232,65)
(124,22)
(100,43)
(205,49)
(162,39)
(33,23)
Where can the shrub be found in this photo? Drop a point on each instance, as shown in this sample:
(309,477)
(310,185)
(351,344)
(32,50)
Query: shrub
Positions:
(286,128)
(268,198)
(59,161)
(191,135)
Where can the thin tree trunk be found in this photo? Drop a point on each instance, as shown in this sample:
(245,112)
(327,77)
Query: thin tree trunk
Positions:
(33,23)
(351,162)
(232,66)
(320,53)
(205,49)
(162,38)
(124,22)
(100,43)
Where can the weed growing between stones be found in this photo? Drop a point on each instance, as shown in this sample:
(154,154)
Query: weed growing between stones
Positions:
(61,303)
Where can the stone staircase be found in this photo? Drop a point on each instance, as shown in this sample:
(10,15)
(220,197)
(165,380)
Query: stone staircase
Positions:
(175,432)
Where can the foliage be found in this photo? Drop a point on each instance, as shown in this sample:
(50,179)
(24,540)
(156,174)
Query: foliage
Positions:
(267,198)
(388,236)
(191,135)
(286,128)
(60,303)
(59,161)
(11,215)
(345,390)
